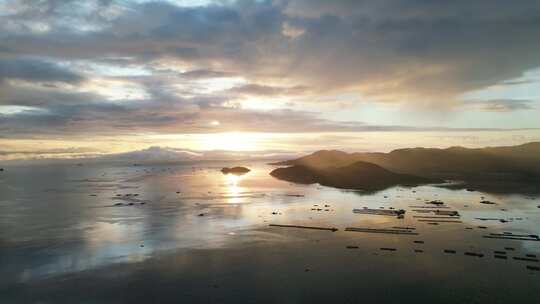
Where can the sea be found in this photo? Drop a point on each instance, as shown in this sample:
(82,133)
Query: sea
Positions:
(187,233)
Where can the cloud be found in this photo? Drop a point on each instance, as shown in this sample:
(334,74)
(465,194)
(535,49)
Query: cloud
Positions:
(35,70)
(264,90)
(391,50)
(503,105)
(61,151)
(406,51)
(205,74)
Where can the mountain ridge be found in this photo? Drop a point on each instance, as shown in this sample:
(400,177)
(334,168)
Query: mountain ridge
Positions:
(506,163)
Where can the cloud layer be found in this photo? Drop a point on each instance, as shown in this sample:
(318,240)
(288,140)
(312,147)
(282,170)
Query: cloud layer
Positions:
(110,67)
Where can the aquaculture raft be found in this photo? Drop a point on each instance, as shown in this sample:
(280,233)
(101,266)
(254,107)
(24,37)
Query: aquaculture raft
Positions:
(387,231)
(305,227)
(380,211)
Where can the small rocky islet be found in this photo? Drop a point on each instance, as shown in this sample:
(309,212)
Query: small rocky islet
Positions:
(235,170)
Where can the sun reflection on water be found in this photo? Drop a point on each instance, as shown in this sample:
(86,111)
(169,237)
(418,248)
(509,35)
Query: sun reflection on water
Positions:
(233,190)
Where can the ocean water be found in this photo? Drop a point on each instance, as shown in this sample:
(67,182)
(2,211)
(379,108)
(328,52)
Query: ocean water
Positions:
(190,234)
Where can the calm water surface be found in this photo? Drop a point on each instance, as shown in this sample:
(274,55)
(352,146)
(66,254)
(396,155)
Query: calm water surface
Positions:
(189,234)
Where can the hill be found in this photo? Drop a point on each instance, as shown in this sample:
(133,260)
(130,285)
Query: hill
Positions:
(359,175)
(514,163)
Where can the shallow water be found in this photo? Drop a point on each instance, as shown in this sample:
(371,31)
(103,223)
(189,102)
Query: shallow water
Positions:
(63,240)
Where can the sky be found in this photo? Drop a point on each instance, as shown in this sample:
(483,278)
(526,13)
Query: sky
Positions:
(86,78)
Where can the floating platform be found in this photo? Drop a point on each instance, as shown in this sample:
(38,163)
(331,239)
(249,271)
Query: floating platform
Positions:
(439,221)
(389,212)
(510,235)
(435,217)
(304,227)
(387,231)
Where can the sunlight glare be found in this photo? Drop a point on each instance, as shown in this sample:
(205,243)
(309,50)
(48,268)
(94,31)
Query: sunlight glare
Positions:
(233,190)
(230,141)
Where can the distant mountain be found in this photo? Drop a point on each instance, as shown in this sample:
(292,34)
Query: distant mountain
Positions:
(154,154)
(170,155)
(515,163)
(358,175)
(159,155)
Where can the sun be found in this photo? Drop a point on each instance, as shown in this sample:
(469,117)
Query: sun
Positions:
(230,141)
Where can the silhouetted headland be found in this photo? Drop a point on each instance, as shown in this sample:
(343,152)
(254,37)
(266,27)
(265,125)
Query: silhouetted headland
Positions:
(359,175)
(235,170)
(481,167)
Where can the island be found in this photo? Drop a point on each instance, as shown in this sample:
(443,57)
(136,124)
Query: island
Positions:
(235,170)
